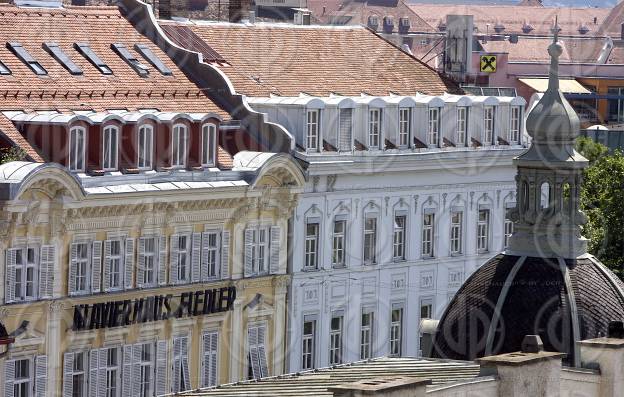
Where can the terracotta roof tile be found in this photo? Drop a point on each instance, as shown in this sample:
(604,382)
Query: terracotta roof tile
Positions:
(535,49)
(612,25)
(8,130)
(287,60)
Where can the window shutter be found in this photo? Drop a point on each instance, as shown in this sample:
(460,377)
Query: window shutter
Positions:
(141,262)
(68,367)
(102,363)
(174,259)
(94,363)
(175,374)
(96,266)
(107,264)
(11,258)
(185,364)
(129,263)
(262,357)
(196,257)
(127,371)
(274,260)
(253,351)
(248,249)
(225,255)
(71,282)
(162,260)
(210,359)
(136,368)
(204,256)
(9,377)
(161,367)
(41,376)
(47,258)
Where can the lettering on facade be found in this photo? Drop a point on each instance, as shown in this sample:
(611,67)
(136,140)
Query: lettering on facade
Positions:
(153,308)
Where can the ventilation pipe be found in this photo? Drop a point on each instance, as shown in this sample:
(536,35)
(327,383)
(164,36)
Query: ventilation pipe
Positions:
(605,51)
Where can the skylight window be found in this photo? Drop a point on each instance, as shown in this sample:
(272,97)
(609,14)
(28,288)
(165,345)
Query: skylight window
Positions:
(58,54)
(4,70)
(150,57)
(88,53)
(24,56)
(130,59)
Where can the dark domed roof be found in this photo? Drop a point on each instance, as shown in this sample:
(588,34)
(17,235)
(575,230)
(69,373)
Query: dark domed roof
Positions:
(561,300)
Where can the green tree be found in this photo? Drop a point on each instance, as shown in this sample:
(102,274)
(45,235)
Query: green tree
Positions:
(602,200)
(12,154)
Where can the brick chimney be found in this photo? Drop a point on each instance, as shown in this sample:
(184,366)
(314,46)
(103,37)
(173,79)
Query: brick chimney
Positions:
(239,10)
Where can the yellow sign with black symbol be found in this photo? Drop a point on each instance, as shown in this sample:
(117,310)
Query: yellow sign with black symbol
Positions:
(488,63)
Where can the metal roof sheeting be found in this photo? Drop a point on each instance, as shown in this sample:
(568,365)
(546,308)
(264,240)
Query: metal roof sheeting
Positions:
(567,86)
(101,117)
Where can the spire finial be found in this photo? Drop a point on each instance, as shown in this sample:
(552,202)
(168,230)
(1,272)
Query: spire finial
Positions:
(554,50)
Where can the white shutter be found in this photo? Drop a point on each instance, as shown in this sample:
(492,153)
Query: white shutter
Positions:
(196,257)
(96,266)
(141,262)
(41,376)
(127,371)
(252,341)
(175,373)
(73,256)
(174,259)
(94,363)
(248,249)
(9,377)
(11,259)
(161,367)
(162,260)
(102,363)
(136,367)
(274,259)
(262,357)
(185,364)
(47,258)
(68,367)
(210,358)
(107,264)
(225,255)
(129,263)
(204,255)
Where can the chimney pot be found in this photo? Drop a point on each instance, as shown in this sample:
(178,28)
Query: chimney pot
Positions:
(532,344)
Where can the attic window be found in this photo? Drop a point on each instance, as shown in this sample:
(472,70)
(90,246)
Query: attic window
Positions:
(58,54)
(88,53)
(130,59)
(4,70)
(21,53)
(150,57)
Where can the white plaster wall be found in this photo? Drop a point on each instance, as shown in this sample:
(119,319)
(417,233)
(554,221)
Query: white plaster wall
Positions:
(579,383)
(479,387)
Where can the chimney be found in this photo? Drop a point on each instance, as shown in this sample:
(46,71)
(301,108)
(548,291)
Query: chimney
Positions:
(398,386)
(388,24)
(606,354)
(239,10)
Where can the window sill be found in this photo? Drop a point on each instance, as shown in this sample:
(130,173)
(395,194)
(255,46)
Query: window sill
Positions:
(336,266)
(310,269)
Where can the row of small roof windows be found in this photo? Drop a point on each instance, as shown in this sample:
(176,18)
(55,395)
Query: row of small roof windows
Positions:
(85,50)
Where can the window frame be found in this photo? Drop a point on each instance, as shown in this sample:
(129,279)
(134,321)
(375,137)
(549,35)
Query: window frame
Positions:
(399,248)
(508,229)
(515,124)
(336,344)
(148,131)
(433,127)
(464,141)
(154,255)
(113,157)
(150,364)
(428,234)
(369,254)
(29,381)
(179,159)
(209,149)
(119,258)
(339,236)
(311,245)
(374,128)
(313,126)
(456,233)
(23,268)
(489,127)
(260,250)
(108,368)
(71,152)
(184,252)
(483,231)
(404,128)
(396,327)
(308,343)
(367,334)
(84,372)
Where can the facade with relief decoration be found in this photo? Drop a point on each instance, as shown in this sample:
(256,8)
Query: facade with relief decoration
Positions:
(139,256)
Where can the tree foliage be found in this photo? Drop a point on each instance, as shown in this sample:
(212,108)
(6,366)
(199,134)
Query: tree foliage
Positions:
(602,200)
(12,154)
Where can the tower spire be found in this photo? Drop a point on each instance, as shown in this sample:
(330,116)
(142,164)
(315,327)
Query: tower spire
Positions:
(554,50)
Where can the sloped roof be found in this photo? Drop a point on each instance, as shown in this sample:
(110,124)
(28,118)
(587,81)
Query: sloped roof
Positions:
(318,382)
(513,17)
(287,60)
(535,49)
(612,25)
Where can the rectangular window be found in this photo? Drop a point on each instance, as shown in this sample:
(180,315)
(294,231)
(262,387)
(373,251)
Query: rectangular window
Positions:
(509,229)
(426,309)
(115,266)
(374,128)
(399,238)
(433,136)
(23,380)
(309,342)
(150,57)
(130,59)
(488,125)
(366,335)
(339,243)
(113,387)
(79,375)
(77,144)
(148,259)
(483,231)
(211,254)
(184,258)
(145,366)
(370,240)
(257,359)
(514,132)
(405,118)
(345,130)
(462,125)
(145,147)
(312,128)
(615,112)
(427,234)
(396,330)
(335,340)
(180,377)
(24,56)
(210,342)
(82,267)
(110,147)
(456,232)
(209,144)
(311,246)
(259,251)
(62,58)
(88,53)
(179,145)
(26,271)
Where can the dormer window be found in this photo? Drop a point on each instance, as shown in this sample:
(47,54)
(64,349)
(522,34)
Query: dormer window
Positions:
(179,146)
(374,128)
(514,130)
(433,135)
(77,144)
(312,130)
(209,144)
(488,124)
(462,125)
(110,148)
(405,116)
(145,147)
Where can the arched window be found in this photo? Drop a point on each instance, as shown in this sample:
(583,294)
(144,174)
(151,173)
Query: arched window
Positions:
(145,147)
(179,145)
(110,148)
(566,194)
(525,196)
(77,145)
(209,144)
(545,195)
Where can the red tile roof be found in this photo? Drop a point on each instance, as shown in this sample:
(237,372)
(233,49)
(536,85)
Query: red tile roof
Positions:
(612,25)
(535,49)
(514,17)
(287,60)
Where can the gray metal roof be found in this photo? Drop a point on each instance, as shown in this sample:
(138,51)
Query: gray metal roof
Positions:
(317,383)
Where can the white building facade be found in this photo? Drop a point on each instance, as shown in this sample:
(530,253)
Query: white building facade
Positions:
(406,197)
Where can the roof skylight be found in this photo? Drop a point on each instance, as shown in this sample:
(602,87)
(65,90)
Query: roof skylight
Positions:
(4,70)
(150,57)
(60,56)
(130,59)
(24,56)
(91,56)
